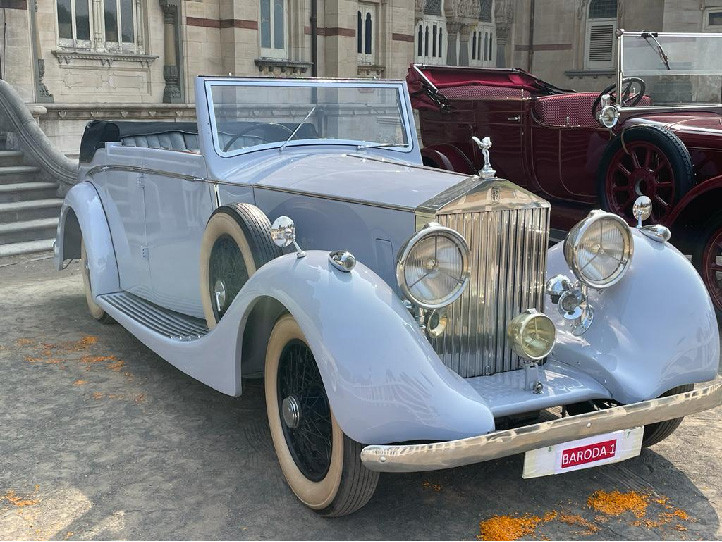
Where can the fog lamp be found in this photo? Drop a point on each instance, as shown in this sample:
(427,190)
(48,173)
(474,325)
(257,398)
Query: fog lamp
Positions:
(532,335)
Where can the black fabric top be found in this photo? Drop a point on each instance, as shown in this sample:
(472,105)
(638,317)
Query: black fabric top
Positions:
(99,132)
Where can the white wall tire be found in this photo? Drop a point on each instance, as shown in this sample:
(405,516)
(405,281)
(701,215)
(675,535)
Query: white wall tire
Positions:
(341,485)
(236,243)
(96,311)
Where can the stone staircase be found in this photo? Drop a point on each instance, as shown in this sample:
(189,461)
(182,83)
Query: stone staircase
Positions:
(29,208)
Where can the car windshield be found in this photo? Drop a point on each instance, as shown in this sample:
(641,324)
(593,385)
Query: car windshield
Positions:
(248,115)
(677,69)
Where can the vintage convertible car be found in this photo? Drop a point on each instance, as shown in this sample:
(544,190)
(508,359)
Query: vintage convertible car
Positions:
(579,150)
(295,235)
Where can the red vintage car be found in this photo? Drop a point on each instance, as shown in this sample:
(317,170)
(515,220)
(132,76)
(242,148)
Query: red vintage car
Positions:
(580,150)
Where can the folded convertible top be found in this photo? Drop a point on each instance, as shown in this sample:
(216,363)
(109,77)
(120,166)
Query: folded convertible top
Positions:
(99,132)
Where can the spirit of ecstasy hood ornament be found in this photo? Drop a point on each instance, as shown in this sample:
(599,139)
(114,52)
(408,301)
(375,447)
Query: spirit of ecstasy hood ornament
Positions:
(487,172)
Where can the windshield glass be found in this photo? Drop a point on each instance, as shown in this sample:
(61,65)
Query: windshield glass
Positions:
(677,69)
(252,115)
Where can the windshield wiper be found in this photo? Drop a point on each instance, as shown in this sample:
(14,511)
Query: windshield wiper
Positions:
(378,146)
(293,134)
(660,51)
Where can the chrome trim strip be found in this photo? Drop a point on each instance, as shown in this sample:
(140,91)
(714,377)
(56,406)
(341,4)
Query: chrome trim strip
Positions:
(456,453)
(191,178)
(150,171)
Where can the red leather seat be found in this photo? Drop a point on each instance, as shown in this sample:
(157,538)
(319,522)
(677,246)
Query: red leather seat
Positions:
(573,109)
(480,92)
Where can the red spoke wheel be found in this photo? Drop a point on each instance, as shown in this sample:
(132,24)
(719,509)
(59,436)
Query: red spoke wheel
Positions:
(651,161)
(707,258)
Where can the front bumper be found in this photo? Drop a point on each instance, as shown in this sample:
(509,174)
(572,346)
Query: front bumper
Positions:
(455,453)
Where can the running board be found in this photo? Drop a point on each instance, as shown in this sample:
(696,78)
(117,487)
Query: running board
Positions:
(167,323)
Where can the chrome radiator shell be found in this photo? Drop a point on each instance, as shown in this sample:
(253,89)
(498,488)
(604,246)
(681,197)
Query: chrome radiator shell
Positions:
(507,230)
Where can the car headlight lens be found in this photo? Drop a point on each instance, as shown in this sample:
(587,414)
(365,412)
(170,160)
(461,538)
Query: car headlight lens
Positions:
(433,267)
(599,248)
(532,335)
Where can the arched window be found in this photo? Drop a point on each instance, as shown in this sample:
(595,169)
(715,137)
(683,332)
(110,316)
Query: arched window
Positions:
(431,35)
(274,26)
(366,33)
(481,45)
(600,34)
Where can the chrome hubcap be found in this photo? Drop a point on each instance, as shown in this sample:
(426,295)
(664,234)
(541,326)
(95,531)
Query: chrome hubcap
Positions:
(291,411)
(219,292)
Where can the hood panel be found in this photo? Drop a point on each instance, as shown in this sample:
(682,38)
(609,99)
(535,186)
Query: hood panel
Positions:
(361,179)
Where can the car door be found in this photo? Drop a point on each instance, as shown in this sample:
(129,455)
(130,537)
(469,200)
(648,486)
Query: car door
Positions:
(177,207)
(124,202)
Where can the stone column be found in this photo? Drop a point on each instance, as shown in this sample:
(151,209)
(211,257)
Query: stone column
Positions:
(502,35)
(42,94)
(172,94)
(452,38)
(464,35)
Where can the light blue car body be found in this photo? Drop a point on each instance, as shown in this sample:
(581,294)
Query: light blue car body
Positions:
(142,213)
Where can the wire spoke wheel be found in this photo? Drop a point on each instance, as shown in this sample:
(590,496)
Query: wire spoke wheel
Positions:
(644,170)
(321,464)
(303,406)
(227,273)
(644,160)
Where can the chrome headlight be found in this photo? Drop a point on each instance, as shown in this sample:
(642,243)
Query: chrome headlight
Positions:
(599,248)
(532,335)
(433,267)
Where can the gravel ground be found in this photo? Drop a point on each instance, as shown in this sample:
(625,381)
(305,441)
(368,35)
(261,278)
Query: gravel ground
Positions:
(102,439)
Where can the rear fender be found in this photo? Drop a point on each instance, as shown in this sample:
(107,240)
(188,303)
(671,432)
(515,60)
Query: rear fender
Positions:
(697,205)
(448,157)
(652,331)
(82,216)
(384,381)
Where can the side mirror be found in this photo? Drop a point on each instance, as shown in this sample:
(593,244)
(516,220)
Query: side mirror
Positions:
(283,234)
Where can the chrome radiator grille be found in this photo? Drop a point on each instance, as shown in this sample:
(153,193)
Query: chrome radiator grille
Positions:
(508,262)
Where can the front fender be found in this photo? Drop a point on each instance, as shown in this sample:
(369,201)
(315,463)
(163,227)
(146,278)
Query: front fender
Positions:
(83,209)
(653,330)
(384,381)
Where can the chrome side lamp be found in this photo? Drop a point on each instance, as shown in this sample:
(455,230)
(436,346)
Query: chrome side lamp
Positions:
(572,302)
(608,115)
(642,210)
(283,233)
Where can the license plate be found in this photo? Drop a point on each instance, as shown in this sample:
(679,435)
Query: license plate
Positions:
(583,453)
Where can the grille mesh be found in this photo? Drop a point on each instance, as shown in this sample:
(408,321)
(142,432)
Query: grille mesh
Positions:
(508,263)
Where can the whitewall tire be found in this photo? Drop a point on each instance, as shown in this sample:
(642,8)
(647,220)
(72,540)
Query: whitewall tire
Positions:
(320,463)
(96,311)
(236,243)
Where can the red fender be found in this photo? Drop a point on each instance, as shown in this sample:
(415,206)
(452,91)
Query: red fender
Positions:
(697,191)
(448,157)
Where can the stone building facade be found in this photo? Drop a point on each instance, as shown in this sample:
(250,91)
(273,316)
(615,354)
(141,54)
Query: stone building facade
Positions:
(82,59)
(570,42)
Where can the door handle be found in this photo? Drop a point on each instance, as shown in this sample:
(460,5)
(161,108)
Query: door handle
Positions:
(515,118)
